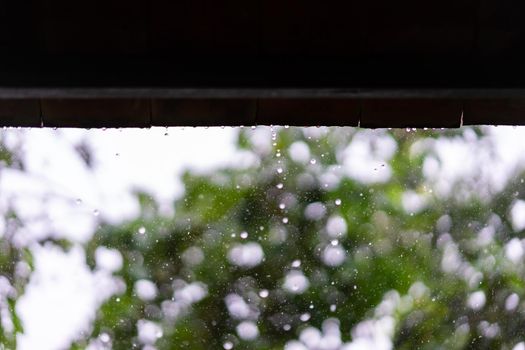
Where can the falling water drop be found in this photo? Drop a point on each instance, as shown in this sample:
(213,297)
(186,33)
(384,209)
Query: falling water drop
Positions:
(305,317)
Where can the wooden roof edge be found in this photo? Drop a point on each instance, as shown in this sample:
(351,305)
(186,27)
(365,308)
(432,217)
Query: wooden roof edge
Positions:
(370,112)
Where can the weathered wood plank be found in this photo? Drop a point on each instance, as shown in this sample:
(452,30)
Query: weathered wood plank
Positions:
(308,112)
(20,112)
(414,113)
(502,111)
(96,113)
(203,112)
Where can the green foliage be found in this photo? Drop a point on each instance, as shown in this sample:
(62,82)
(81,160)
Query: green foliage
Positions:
(418,268)
(388,249)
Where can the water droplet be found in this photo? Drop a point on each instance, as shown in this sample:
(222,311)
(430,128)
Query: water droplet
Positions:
(304,317)
(311,306)
(338,202)
(334,242)
(296,263)
(355,287)
(282,206)
(313,161)
(244,235)
(279,170)
(227,345)
(142,230)
(278,154)
(78,201)
(96,212)
(279,186)
(285,220)
(104,337)
(263,293)
(118,300)
(333,307)
(287,327)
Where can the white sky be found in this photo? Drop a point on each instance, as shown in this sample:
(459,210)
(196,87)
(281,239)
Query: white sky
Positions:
(61,296)
(59,301)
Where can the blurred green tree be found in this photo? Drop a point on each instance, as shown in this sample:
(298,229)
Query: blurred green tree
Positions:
(302,250)
(15,262)
(254,256)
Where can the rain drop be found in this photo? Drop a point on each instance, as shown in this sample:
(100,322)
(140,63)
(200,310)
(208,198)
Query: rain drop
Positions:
(228,345)
(263,293)
(244,235)
(104,337)
(304,317)
(337,202)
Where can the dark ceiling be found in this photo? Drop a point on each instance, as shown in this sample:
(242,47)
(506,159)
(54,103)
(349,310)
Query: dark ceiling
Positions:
(377,63)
